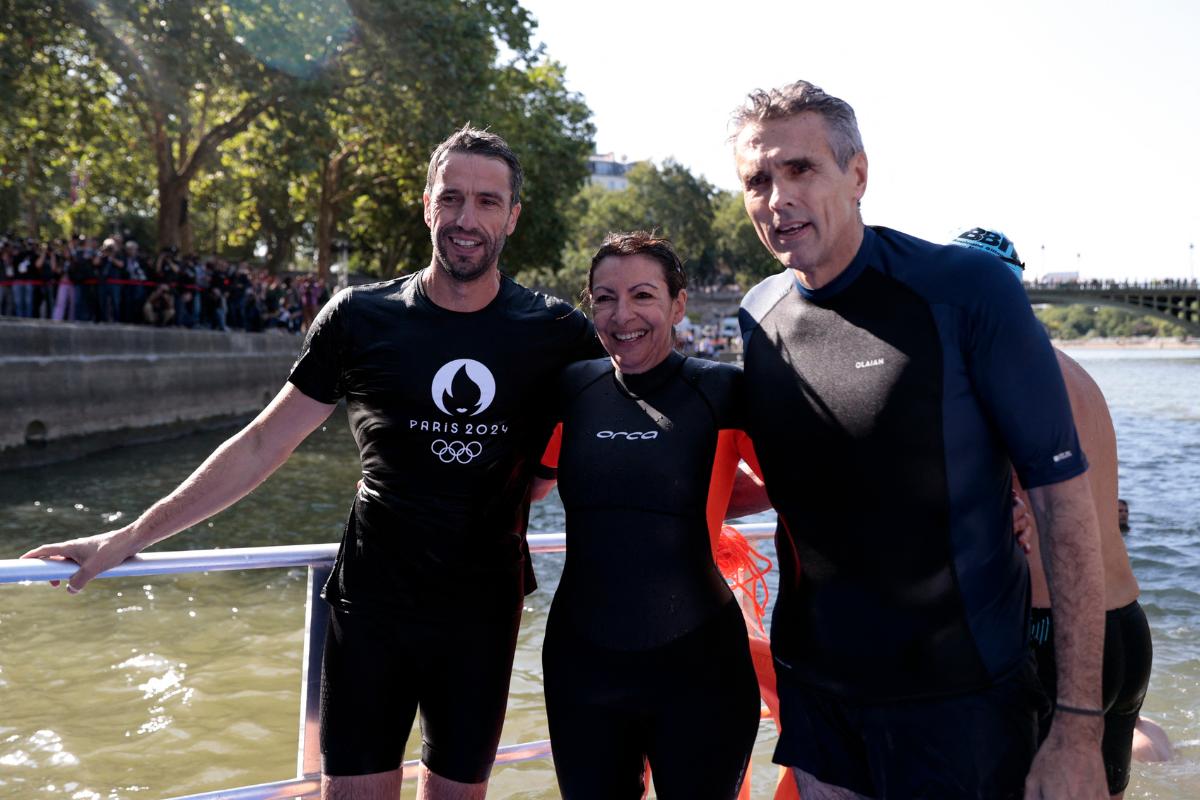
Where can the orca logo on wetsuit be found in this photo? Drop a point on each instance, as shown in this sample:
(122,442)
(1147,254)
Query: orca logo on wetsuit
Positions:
(627,435)
(463,388)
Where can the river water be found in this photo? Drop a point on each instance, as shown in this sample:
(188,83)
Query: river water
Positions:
(157,687)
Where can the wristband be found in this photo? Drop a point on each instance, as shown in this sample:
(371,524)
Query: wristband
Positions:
(1086,712)
(545,472)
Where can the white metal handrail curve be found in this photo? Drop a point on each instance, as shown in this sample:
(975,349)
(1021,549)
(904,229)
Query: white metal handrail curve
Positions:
(318,558)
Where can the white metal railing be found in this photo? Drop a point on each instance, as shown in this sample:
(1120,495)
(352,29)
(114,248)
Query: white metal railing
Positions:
(318,558)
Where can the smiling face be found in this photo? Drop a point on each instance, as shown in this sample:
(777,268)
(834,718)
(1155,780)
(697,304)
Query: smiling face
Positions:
(803,205)
(634,312)
(470,214)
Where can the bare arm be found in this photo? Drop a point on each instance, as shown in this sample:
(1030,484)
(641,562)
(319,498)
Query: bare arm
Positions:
(1068,764)
(232,471)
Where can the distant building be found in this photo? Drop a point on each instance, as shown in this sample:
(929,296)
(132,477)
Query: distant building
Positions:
(605,169)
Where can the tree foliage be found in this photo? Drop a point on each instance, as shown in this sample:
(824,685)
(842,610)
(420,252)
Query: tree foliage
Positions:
(708,228)
(295,126)
(1085,322)
(740,253)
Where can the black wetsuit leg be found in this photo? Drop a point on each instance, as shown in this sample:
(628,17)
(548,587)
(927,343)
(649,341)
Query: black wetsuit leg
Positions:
(464,695)
(708,713)
(1128,657)
(366,714)
(596,716)
(381,665)
(691,706)
(378,670)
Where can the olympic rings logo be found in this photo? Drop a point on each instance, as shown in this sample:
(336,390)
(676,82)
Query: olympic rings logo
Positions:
(462,452)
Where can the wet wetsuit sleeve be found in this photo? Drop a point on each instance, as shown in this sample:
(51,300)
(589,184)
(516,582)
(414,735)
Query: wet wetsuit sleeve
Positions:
(1013,367)
(319,369)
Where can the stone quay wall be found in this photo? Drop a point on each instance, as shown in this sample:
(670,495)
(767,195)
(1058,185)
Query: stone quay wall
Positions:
(68,389)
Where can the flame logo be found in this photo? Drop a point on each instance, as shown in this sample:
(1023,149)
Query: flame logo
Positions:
(463,388)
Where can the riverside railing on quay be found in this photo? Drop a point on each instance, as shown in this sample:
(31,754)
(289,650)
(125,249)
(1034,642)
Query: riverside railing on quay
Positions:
(318,558)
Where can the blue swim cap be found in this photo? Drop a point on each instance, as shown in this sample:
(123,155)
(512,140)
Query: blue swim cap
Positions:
(993,242)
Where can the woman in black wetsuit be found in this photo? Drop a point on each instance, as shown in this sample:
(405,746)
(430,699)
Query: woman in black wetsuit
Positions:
(646,656)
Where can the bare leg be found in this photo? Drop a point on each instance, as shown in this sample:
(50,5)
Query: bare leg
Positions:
(431,786)
(813,789)
(376,786)
(1150,742)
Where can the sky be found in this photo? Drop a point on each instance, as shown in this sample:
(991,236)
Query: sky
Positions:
(1074,127)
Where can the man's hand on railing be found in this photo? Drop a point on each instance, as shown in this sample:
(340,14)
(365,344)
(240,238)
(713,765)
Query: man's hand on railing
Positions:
(93,554)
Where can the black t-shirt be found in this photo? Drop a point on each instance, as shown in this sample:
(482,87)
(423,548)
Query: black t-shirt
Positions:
(634,474)
(450,414)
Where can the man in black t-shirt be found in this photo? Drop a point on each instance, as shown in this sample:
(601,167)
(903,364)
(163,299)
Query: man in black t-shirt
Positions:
(441,372)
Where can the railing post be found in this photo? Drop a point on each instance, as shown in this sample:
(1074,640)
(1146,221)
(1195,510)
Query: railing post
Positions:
(316,617)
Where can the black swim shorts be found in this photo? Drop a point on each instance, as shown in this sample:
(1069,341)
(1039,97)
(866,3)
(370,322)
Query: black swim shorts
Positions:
(977,745)
(1128,655)
(379,670)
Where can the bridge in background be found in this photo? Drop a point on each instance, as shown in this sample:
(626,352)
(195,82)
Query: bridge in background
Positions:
(1173,301)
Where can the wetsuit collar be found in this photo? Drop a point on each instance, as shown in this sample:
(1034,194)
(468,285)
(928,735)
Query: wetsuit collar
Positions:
(646,382)
(848,276)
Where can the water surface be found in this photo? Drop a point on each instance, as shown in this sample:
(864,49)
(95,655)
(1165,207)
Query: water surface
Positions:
(155,687)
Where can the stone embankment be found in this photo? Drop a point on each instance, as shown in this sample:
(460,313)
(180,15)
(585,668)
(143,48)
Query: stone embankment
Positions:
(69,389)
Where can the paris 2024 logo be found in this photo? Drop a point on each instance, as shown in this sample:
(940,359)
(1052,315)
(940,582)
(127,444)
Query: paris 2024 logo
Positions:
(462,389)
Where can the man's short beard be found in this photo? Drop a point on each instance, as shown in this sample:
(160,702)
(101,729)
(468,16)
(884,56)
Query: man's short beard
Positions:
(471,272)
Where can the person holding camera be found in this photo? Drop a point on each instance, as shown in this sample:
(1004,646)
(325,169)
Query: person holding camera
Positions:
(159,308)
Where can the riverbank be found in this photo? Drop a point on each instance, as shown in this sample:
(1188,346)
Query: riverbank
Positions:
(1130,343)
(70,389)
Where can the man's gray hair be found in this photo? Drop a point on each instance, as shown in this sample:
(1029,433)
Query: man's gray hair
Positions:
(479,143)
(797,98)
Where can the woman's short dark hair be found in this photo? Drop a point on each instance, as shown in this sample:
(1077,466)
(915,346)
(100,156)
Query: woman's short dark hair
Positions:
(633,243)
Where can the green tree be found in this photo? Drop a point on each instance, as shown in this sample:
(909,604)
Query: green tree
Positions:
(292,124)
(551,129)
(679,205)
(669,200)
(195,74)
(1081,321)
(63,159)
(424,69)
(740,253)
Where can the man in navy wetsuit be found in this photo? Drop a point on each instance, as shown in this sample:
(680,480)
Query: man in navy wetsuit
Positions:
(891,382)
(442,373)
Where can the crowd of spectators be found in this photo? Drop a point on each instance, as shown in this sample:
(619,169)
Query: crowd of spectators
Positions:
(1109,284)
(86,280)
